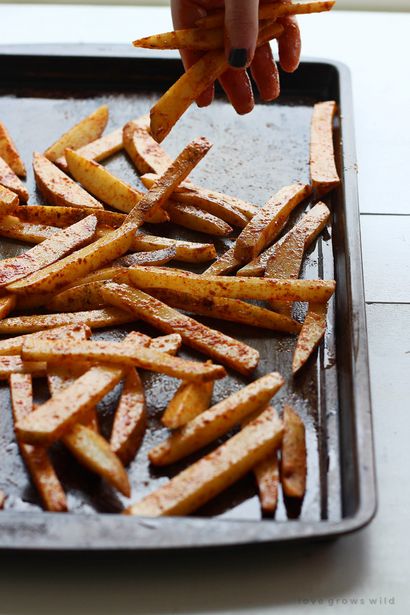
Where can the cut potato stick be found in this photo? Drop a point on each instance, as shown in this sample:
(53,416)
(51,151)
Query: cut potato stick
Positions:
(7,304)
(194,38)
(293,461)
(310,225)
(13,345)
(313,330)
(9,153)
(77,264)
(54,351)
(8,200)
(271,11)
(217,421)
(171,106)
(323,172)
(11,227)
(146,154)
(16,365)
(265,225)
(186,251)
(190,400)
(232,310)
(86,131)
(36,459)
(62,217)
(197,220)
(215,344)
(95,319)
(215,472)
(155,257)
(57,188)
(285,263)
(47,252)
(227,263)
(267,478)
(167,343)
(262,289)
(82,297)
(97,150)
(9,180)
(165,185)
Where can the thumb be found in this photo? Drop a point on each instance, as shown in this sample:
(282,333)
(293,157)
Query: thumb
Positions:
(241,25)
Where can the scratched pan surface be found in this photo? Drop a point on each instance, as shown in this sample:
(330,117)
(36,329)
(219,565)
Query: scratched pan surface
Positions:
(43,91)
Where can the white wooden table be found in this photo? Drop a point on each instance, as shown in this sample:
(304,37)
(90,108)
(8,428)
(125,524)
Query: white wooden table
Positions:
(367,572)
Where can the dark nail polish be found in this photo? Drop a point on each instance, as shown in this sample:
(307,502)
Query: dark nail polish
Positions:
(238,58)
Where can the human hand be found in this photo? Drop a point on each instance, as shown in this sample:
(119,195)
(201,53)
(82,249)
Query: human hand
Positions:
(241,25)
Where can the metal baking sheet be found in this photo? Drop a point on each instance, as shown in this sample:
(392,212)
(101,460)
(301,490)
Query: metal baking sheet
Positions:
(46,89)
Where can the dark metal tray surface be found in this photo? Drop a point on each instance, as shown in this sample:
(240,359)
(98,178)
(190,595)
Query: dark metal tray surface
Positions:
(46,89)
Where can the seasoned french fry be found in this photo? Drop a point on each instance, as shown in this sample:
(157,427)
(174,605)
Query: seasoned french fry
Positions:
(224,264)
(194,38)
(9,180)
(82,297)
(36,458)
(8,200)
(54,351)
(313,330)
(186,251)
(146,154)
(271,11)
(7,304)
(86,131)
(47,252)
(62,217)
(97,150)
(232,310)
(13,345)
(191,399)
(57,188)
(179,170)
(167,343)
(197,220)
(216,345)
(95,319)
(215,472)
(323,170)
(155,257)
(263,227)
(217,421)
(293,462)
(15,365)
(285,263)
(267,478)
(310,225)
(262,289)
(11,227)
(9,153)
(77,264)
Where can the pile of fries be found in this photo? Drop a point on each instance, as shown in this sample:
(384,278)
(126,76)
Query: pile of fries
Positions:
(93,267)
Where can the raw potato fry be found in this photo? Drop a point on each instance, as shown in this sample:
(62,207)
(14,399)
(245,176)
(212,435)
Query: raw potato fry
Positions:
(9,179)
(62,217)
(293,463)
(265,225)
(271,11)
(186,251)
(97,150)
(215,472)
(15,365)
(77,264)
(86,131)
(53,351)
(9,153)
(49,251)
(217,421)
(146,154)
(8,200)
(155,257)
(95,319)
(267,478)
(23,231)
(313,330)
(323,172)
(232,310)
(262,289)
(36,458)
(7,304)
(310,225)
(179,170)
(197,220)
(215,344)
(190,400)
(285,263)
(57,188)
(13,345)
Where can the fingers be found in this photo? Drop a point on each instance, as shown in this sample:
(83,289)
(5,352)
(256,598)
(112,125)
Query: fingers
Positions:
(241,25)
(290,45)
(265,73)
(238,89)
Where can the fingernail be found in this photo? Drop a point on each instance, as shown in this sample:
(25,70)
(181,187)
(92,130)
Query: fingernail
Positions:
(238,57)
